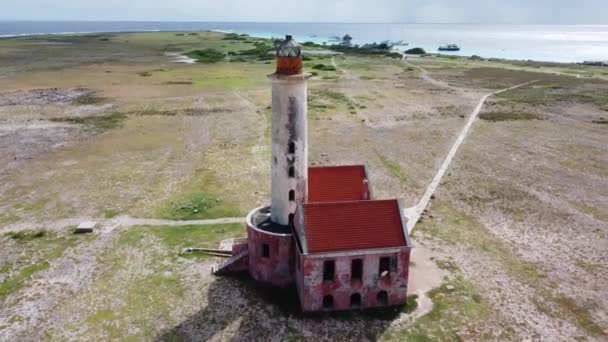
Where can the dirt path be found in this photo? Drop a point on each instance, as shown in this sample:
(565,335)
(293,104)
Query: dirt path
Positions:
(424,74)
(121,221)
(413,214)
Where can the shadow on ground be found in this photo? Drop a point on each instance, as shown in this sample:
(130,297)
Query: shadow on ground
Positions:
(239,309)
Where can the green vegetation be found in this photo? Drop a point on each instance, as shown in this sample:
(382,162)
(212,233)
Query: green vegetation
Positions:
(47,247)
(411,304)
(110,213)
(18,280)
(261,52)
(395,55)
(456,227)
(393,168)
(321,100)
(201,236)
(235,36)
(457,310)
(335,96)
(95,123)
(416,51)
(206,55)
(196,204)
(26,235)
(509,116)
(598,213)
(88,99)
(324,67)
(148,296)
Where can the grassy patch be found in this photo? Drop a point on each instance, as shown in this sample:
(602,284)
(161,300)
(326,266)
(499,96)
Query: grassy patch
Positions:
(26,235)
(324,67)
(235,36)
(198,236)
(393,168)
(206,55)
(7,218)
(447,265)
(411,304)
(95,123)
(456,227)
(457,307)
(88,99)
(43,247)
(588,266)
(261,52)
(192,205)
(597,213)
(509,116)
(18,280)
(199,205)
(34,206)
(110,213)
(136,303)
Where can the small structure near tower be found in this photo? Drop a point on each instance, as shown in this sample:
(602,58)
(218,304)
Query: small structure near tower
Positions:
(323,231)
(347,40)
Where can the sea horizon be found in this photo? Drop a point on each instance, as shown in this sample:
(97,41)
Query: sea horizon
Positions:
(568,43)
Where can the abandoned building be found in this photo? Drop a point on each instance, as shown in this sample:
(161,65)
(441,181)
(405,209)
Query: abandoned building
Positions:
(323,232)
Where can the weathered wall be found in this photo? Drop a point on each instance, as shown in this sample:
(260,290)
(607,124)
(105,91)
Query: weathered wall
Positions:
(242,264)
(312,288)
(289,123)
(278,268)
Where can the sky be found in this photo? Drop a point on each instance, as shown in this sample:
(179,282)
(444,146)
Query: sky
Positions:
(377,11)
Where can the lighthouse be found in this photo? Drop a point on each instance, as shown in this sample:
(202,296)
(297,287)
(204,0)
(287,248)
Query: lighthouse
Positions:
(269,229)
(323,231)
(289,163)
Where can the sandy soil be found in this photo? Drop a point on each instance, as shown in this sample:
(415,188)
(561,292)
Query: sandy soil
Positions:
(512,246)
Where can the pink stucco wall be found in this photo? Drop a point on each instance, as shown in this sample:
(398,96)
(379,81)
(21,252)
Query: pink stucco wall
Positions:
(278,268)
(312,288)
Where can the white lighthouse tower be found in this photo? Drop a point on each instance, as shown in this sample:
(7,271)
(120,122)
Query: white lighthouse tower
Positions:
(289,163)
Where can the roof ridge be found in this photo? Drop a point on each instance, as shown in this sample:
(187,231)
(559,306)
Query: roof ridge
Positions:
(316,204)
(336,166)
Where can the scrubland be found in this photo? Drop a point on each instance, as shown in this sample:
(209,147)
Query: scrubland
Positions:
(110,127)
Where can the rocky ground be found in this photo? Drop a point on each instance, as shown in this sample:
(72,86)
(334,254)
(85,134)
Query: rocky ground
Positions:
(512,247)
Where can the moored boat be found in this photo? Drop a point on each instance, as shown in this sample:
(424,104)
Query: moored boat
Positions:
(449,47)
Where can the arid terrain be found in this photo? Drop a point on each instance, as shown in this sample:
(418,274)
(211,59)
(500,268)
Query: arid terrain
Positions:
(119,129)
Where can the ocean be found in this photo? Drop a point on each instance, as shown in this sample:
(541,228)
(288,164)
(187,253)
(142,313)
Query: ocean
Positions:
(556,43)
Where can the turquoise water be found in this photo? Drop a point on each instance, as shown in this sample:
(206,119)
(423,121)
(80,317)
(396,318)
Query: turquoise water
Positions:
(559,43)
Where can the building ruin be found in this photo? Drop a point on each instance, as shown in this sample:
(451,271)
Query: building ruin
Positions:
(323,232)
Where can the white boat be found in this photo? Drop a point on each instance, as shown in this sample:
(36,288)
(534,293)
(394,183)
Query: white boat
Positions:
(449,47)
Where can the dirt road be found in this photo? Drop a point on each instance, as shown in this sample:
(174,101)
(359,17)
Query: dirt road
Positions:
(413,214)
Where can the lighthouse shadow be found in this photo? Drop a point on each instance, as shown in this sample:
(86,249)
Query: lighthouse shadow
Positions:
(239,309)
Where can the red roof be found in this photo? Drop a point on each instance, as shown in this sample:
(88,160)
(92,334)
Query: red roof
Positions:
(343,226)
(337,184)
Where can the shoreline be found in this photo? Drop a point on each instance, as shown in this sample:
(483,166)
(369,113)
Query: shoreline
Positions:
(315,39)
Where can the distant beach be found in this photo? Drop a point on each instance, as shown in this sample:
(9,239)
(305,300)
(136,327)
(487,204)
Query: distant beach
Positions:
(553,43)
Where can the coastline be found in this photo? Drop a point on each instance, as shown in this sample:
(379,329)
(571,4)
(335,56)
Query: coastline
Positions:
(555,44)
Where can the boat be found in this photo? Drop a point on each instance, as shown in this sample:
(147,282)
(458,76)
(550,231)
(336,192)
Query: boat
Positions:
(449,47)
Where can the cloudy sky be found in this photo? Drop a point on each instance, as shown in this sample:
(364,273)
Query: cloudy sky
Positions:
(406,11)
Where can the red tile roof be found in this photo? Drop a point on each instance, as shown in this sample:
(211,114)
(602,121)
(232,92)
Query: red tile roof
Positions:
(343,226)
(337,183)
